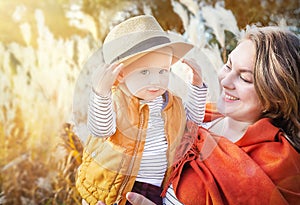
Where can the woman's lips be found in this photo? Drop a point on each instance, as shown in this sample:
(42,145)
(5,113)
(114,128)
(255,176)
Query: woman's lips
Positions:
(230,97)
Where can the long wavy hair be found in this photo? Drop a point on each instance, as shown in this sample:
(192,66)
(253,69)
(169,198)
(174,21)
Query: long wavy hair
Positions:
(277,77)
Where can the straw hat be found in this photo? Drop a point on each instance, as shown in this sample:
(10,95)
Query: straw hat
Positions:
(136,37)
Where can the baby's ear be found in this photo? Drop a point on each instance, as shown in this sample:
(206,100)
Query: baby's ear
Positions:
(120,77)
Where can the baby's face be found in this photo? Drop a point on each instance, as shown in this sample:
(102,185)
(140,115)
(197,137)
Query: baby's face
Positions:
(148,77)
(148,83)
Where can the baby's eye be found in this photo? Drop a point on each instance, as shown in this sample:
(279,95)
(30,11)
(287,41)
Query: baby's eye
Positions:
(145,72)
(163,71)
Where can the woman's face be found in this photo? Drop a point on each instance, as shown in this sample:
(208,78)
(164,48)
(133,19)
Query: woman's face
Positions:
(239,99)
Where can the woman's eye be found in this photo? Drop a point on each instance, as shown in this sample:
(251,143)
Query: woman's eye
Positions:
(227,67)
(145,72)
(245,79)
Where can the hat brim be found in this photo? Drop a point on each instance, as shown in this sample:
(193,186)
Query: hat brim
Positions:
(128,48)
(179,50)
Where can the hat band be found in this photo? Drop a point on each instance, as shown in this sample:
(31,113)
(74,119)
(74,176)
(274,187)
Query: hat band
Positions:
(143,46)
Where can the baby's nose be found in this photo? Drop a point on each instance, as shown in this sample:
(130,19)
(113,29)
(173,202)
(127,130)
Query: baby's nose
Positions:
(154,78)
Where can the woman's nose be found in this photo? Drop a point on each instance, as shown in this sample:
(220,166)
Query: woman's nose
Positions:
(228,81)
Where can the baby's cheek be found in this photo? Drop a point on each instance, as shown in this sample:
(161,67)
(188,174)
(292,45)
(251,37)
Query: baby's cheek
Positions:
(164,81)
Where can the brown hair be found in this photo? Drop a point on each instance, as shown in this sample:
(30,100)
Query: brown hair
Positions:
(277,77)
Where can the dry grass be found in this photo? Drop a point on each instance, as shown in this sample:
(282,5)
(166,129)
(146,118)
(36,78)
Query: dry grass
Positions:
(39,152)
(38,178)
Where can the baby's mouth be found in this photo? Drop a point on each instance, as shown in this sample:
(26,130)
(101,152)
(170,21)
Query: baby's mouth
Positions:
(153,89)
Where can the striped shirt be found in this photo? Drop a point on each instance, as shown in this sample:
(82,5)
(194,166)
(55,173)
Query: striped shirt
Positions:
(102,123)
(170,198)
(153,165)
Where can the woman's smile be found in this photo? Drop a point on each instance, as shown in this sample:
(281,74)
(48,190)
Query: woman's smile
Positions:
(230,98)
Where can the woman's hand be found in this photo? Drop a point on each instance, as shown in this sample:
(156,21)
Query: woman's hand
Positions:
(133,198)
(197,73)
(137,199)
(98,203)
(104,78)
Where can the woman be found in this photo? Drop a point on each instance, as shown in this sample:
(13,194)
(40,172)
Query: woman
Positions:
(256,162)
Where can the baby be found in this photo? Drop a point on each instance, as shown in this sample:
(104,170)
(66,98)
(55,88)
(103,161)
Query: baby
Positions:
(135,122)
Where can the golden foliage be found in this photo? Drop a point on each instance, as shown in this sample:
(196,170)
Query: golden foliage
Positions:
(38,70)
(32,179)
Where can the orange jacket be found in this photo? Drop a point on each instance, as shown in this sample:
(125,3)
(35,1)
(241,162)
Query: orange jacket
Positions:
(110,165)
(261,168)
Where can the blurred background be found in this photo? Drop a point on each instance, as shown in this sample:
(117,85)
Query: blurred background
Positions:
(43,47)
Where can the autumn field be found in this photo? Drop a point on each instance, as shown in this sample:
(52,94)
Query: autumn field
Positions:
(43,48)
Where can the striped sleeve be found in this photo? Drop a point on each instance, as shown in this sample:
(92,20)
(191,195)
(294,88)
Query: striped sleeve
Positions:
(195,103)
(101,117)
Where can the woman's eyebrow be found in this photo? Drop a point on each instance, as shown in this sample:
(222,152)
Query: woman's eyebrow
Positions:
(245,70)
(242,69)
(229,59)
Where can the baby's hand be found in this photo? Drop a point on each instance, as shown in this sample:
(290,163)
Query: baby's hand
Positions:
(104,78)
(197,73)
